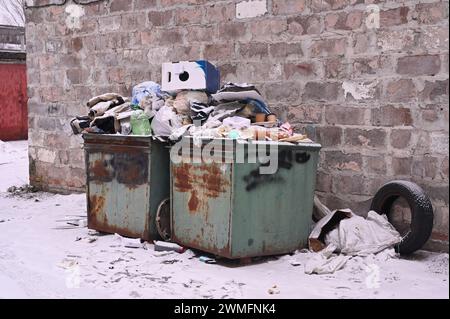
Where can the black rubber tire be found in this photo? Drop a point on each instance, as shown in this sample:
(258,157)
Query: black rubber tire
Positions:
(421,212)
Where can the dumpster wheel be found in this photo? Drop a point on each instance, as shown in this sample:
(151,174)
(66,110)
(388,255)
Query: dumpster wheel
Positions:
(163,220)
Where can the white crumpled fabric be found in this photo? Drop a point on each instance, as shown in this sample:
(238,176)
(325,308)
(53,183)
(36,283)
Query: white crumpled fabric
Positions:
(324,262)
(363,240)
(358,236)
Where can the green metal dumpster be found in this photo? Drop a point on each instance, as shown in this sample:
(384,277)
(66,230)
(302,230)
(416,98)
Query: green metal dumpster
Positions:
(229,207)
(127,178)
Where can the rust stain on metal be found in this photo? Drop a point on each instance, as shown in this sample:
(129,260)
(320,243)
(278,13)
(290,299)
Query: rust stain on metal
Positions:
(183,177)
(208,177)
(193,202)
(99,171)
(213,180)
(96,204)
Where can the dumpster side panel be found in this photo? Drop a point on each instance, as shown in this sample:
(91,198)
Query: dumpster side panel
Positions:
(272,213)
(118,189)
(201,206)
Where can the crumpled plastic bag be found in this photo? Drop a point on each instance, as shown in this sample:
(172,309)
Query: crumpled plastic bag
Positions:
(151,105)
(324,262)
(165,121)
(145,89)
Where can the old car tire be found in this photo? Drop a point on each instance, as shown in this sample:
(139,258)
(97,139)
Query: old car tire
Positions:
(421,212)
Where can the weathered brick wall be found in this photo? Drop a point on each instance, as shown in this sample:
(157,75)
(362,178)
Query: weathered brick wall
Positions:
(372,88)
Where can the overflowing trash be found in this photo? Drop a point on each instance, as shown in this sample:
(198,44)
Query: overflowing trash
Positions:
(189,103)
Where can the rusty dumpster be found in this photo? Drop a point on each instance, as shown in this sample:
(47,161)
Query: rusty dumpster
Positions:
(127,178)
(224,204)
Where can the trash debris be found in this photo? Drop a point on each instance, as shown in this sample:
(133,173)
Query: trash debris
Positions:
(324,262)
(25,191)
(189,102)
(357,236)
(146,245)
(166,246)
(163,253)
(207,260)
(165,121)
(237,122)
(190,75)
(140,124)
(146,89)
(170,262)
(93,232)
(92,239)
(129,242)
(354,235)
(274,290)
(78,222)
(320,210)
(295,263)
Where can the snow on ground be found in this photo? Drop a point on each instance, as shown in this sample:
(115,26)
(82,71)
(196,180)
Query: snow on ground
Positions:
(42,257)
(13,164)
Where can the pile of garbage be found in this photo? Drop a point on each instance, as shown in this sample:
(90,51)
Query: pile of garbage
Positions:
(235,111)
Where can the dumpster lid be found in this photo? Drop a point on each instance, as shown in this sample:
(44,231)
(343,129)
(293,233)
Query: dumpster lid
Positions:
(92,136)
(309,145)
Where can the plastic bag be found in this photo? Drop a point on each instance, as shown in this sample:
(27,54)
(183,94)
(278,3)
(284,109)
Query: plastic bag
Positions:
(140,124)
(165,121)
(145,89)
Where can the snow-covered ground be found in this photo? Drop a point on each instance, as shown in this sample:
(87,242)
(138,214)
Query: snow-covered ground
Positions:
(42,257)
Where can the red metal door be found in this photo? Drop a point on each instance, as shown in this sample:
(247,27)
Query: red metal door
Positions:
(13,102)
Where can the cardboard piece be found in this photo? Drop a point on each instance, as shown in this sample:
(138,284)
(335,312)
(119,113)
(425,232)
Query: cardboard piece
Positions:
(190,75)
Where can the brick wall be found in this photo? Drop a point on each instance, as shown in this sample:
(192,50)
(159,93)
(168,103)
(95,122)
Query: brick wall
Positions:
(367,79)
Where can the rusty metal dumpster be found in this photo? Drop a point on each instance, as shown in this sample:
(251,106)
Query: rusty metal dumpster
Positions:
(127,178)
(231,208)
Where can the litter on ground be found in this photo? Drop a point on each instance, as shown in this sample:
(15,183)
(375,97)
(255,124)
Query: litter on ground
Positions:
(37,261)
